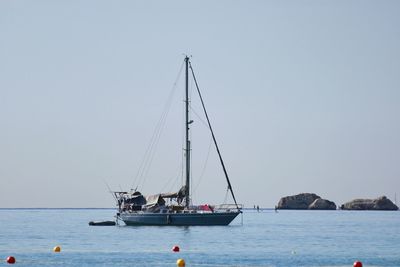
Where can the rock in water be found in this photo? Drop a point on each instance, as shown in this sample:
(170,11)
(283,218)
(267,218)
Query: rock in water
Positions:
(381,203)
(322,204)
(297,202)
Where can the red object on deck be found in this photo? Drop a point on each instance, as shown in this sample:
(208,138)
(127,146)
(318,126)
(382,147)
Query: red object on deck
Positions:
(10,260)
(357,264)
(205,207)
(175,249)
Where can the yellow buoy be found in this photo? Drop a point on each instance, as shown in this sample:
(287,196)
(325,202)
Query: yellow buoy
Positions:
(57,249)
(180,263)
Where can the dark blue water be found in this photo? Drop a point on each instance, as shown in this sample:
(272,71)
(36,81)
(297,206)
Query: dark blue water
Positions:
(286,238)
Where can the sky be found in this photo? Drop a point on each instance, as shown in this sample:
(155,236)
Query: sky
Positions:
(304,96)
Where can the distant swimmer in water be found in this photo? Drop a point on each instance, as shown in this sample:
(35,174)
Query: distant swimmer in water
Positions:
(258,208)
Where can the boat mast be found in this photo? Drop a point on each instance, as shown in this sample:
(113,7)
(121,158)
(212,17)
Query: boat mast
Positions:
(187,149)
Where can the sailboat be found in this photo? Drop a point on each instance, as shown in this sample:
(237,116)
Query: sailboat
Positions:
(137,209)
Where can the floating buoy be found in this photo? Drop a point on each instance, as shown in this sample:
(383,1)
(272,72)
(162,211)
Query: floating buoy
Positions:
(175,249)
(357,264)
(57,249)
(10,260)
(180,263)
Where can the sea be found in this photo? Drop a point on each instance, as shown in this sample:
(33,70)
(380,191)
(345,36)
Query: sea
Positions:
(265,238)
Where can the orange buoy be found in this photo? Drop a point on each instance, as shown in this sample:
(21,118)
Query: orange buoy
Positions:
(357,264)
(180,263)
(57,249)
(175,249)
(10,260)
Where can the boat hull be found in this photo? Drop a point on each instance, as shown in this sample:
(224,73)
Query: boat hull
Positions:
(179,219)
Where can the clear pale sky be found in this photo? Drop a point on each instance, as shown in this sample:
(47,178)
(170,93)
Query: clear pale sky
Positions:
(304,96)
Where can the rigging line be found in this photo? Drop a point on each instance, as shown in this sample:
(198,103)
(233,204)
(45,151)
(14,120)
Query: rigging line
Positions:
(147,154)
(226,196)
(173,184)
(146,168)
(155,143)
(150,147)
(160,123)
(213,136)
(171,179)
(204,167)
(198,116)
(156,134)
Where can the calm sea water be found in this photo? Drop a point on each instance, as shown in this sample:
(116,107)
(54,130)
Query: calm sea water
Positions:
(286,238)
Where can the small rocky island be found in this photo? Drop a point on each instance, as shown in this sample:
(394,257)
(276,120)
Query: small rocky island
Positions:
(305,201)
(381,203)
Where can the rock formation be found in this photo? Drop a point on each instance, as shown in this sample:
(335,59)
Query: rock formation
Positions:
(322,204)
(381,203)
(305,201)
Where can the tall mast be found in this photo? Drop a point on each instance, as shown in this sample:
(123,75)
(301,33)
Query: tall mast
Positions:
(187,149)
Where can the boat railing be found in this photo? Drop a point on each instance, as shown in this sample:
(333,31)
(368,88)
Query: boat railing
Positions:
(227,207)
